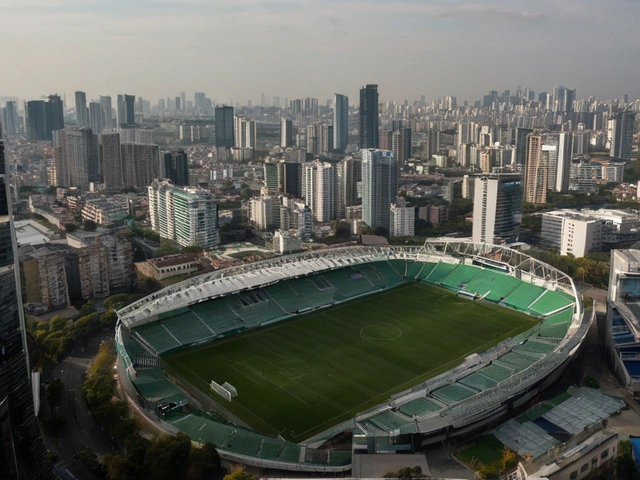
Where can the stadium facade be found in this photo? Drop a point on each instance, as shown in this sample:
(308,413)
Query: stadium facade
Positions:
(483,390)
(623,318)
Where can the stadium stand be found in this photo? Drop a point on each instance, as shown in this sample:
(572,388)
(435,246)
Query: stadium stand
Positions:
(415,269)
(270,448)
(523,296)
(348,282)
(477,381)
(439,273)
(257,313)
(515,361)
(460,277)
(492,285)
(339,458)
(420,407)
(400,266)
(218,316)
(535,349)
(495,372)
(633,368)
(204,430)
(284,295)
(550,302)
(243,442)
(290,453)
(389,420)
(157,336)
(187,328)
(381,274)
(453,393)
(310,295)
(155,387)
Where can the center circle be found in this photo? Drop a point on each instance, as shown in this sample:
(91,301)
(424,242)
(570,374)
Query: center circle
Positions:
(380,331)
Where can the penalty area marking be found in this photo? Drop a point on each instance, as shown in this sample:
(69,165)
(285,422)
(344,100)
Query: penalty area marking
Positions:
(375,333)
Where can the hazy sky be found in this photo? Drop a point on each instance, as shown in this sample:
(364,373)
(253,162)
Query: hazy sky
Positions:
(236,49)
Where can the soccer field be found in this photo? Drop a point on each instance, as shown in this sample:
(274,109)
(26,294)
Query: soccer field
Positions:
(299,377)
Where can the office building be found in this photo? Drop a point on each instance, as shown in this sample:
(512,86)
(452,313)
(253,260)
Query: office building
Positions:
(107,112)
(55,114)
(76,157)
(318,189)
(22,451)
(340,122)
(521,145)
(402,219)
(224,127)
(622,138)
(11,118)
(130,110)
(111,160)
(286,133)
(290,178)
(572,232)
(82,118)
(369,117)
(36,121)
(401,145)
(95,118)
(186,215)
(176,168)
(497,208)
(379,186)
(563,98)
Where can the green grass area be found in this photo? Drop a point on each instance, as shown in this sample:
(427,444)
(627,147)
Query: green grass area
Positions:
(486,450)
(245,254)
(298,377)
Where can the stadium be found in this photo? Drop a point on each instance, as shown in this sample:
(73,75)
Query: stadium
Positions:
(392,348)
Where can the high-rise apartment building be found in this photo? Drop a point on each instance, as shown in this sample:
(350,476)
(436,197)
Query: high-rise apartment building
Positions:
(76,157)
(521,145)
(622,138)
(369,117)
(348,177)
(340,122)
(81,110)
(401,145)
(497,208)
(224,127)
(379,186)
(95,118)
(111,160)
(186,215)
(139,164)
(536,170)
(244,132)
(55,113)
(402,219)
(318,189)
(22,451)
(563,98)
(176,168)
(286,133)
(130,110)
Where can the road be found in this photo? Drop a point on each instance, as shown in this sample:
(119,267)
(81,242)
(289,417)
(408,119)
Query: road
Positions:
(81,429)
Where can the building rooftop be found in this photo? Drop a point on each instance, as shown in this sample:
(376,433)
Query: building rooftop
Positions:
(30,232)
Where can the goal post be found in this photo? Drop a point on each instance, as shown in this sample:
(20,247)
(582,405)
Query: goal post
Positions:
(230,388)
(220,390)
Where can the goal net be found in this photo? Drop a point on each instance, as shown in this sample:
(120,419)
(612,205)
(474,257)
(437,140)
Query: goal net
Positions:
(220,390)
(230,388)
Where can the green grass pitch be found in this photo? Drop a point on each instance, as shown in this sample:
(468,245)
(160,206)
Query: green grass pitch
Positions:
(299,377)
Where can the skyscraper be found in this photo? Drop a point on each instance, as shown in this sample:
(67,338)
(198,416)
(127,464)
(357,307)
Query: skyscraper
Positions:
(622,139)
(520,147)
(340,122)
(36,121)
(224,127)
(286,133)
(369,117)
(107,112)
(11,119)
(81,109)
(55,114)
(22,451)
(497,208)
(401,145)
(176,167)
(348,175)
(379,186)
(139,164)
(130,110)
(563,98)
(95,118)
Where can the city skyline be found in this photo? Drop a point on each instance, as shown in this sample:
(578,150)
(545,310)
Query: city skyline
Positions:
(285,46)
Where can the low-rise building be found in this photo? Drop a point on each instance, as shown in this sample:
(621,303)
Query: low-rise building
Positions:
(572,232)
(170,266)
(286,241)
(106,211)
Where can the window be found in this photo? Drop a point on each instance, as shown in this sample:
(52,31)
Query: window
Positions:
(584,467)
(594,460)
(604,454)
(573,475)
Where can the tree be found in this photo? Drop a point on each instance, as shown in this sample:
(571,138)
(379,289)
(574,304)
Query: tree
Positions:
(239,475)
(98,390)
(54,393)
(168,457)
(88,457)
(624,466)
(205,462)
(87,309)
(192,249)
(90,226)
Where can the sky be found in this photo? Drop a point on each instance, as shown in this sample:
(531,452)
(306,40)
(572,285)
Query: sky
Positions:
(234,50)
